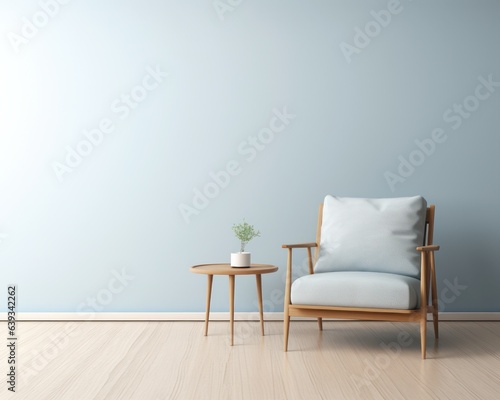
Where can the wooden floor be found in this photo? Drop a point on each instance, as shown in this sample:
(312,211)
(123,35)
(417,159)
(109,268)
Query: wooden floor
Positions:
(173,360)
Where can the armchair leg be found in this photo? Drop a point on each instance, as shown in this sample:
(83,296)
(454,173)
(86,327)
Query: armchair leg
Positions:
(436,324)
(286,310)
(435,319)
(435,304)
(320,323)
(286,329)
(423,334)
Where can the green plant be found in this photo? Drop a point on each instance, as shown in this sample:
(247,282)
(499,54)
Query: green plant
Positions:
(245,232)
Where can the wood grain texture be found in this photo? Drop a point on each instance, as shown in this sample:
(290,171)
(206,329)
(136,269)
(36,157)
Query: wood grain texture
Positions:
(174,360)
(226,269)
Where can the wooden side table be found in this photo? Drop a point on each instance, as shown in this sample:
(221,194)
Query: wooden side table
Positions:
(225,269)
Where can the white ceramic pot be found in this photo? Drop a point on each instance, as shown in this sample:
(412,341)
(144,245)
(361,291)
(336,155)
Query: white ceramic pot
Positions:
(240,260)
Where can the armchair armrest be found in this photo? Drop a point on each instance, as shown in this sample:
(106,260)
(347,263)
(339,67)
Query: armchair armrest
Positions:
(428,275)
(288,284)
(432,247)
(299,245)
(290,247)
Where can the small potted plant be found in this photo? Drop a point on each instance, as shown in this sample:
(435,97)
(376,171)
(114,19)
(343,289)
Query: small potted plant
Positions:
(244,232)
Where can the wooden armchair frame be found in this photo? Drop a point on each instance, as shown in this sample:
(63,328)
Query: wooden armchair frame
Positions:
(427,286)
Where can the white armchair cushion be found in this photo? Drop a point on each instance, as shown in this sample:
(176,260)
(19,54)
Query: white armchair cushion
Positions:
(374,235)
(357,289)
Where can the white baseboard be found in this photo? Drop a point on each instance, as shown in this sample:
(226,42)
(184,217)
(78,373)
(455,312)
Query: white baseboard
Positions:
(214,316)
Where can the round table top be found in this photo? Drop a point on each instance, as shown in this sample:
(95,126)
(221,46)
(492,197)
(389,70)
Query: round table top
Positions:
(226,269)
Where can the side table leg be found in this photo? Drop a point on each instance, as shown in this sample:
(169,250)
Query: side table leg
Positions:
(209,295)
(259,296)
(231,306)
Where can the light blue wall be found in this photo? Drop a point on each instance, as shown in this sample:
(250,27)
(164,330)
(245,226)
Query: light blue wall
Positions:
(356,111)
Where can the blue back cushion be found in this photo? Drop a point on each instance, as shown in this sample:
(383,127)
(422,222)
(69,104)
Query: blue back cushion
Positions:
(376,235)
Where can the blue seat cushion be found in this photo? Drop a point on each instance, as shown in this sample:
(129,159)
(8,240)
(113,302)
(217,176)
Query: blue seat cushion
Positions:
(357,289)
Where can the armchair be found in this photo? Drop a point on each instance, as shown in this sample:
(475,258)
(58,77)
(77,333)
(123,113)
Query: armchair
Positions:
(374,260)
